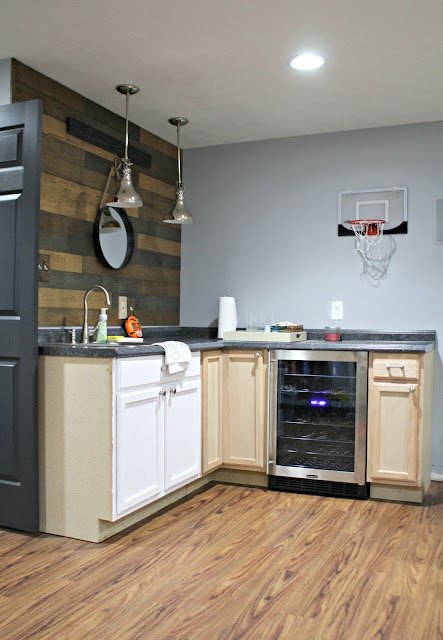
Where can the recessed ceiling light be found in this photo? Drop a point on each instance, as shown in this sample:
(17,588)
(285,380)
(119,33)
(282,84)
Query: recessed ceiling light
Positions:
(306,62)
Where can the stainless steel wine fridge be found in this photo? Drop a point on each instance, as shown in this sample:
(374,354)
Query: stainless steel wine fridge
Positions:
(317,420)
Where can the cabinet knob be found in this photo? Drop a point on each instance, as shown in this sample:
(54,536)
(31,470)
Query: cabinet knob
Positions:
(412,389)
(162,393)
(173,391)
(256,354)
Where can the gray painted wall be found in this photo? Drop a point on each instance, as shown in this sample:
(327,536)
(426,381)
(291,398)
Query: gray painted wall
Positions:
(5,81)
(266,232)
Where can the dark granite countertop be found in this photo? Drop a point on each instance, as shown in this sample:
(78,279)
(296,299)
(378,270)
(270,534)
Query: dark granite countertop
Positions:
(53,342)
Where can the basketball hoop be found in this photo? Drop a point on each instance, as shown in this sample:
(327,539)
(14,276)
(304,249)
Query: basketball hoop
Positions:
(368,234)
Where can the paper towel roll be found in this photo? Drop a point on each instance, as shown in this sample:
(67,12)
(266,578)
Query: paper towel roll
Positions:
(227,315)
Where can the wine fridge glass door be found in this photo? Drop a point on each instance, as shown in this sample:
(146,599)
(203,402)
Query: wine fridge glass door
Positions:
(318,412)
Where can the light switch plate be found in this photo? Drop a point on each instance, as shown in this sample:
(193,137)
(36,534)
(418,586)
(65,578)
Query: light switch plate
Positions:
(337,310)
(122,307)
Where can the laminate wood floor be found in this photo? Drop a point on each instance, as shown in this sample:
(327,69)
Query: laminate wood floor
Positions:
(236,563)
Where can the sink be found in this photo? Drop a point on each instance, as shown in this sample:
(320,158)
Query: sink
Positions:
(112,345)
(99,345)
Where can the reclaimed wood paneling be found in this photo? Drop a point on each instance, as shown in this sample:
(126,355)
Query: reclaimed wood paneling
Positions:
(136,271)
(157,186)
(154,288)
(152,243)
(70,299)
(73,177)
(67,198)
(65,261)
(91,134)
(57,129)
(157,143)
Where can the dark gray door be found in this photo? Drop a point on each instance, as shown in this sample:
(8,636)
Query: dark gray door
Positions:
(20,150)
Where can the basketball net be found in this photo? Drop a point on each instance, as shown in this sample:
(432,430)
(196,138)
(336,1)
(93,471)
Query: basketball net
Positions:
(368,234)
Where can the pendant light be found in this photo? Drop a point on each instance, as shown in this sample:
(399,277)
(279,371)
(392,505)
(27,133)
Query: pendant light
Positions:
(179,213)
(126,196)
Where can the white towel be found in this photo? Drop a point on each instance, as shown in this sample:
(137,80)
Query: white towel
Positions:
(177,355)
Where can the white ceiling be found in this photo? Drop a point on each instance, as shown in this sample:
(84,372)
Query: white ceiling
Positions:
(224,63)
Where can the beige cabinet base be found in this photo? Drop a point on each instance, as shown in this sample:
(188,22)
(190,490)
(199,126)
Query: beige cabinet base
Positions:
(403,494)
(75,445)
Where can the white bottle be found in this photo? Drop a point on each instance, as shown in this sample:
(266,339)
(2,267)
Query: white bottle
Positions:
(102,331)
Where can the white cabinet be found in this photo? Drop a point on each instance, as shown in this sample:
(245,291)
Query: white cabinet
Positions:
(115,436)
(157,431)
(182,439)
(139,445)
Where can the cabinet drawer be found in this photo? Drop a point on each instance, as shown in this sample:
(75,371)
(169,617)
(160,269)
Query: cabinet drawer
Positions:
(143,370)
(396,366)
(138,371)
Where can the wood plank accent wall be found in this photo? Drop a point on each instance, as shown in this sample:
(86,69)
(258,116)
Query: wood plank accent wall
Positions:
(73,178)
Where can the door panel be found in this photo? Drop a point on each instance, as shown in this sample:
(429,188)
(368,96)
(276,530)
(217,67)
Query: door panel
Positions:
(9,209)
(212,418)
(244,409)
(182,434)
(10,147)
(139,448)
(8,453)
(393,433)
(20,150)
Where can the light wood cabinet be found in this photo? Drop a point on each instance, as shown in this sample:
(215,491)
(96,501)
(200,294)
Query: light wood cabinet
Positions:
(393,441)
(244,409)
(399,423)
(212,426)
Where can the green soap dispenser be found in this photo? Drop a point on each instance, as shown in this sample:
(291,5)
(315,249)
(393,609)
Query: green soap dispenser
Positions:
(102,331)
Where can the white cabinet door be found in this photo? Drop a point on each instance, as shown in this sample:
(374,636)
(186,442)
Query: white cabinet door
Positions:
(139,446)
(182,433)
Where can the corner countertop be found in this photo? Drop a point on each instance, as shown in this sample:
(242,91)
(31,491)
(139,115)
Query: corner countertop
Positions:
(53,342)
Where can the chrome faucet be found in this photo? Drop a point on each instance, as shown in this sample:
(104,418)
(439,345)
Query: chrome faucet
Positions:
(85,330)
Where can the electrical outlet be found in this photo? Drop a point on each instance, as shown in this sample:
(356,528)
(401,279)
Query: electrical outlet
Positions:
(337,310)
(131,306)
(122,307)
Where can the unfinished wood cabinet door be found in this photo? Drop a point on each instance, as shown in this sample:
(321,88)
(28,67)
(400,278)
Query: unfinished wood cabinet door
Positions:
(212,388)
(244,409)
(393,433)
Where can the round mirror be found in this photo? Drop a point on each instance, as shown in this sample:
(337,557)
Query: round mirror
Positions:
(113,237)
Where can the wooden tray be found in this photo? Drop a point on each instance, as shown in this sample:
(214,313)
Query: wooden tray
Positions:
(264,336)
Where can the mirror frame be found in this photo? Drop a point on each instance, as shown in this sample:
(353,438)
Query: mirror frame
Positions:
(129,232)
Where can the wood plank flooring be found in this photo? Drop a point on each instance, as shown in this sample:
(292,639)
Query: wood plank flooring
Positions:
(236,563)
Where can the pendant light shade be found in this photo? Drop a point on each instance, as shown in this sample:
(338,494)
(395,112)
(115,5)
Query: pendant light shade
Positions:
(126,196)
(179,213)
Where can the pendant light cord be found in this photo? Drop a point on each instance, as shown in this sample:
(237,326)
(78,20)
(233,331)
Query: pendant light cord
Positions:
(126,159)
(179,156)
